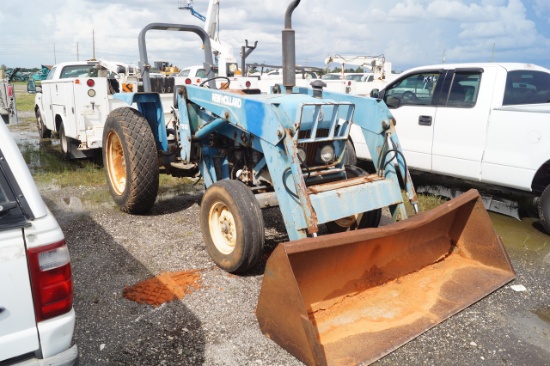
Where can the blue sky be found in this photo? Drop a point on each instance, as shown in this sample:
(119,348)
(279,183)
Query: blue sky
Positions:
(409,33)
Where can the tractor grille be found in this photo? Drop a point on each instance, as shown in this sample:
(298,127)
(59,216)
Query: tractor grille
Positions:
(311,147)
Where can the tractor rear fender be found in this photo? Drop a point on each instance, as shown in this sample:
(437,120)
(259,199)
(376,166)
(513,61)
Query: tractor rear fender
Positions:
(150,106)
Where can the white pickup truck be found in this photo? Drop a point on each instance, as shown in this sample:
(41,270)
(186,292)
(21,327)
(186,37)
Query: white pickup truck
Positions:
(37,318)
(76,98)
(487,124)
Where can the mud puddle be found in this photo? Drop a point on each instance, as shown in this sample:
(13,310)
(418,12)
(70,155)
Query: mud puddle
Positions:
(525,235)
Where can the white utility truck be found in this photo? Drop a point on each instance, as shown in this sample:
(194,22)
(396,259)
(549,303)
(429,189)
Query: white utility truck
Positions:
(483,124)
(76,98)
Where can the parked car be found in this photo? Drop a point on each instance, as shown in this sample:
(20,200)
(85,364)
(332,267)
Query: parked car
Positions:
(37,318)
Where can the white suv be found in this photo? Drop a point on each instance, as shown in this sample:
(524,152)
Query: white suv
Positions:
(36,286)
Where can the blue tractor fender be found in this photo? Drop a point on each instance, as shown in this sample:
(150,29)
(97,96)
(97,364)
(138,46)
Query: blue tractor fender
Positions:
(150,106)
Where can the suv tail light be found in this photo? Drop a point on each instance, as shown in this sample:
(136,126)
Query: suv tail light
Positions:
(10,91)
(52,280)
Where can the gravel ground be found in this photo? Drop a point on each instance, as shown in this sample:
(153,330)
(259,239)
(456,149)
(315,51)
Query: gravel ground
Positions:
(216,324)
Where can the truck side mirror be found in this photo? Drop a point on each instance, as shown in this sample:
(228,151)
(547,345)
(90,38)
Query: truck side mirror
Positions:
(374,93)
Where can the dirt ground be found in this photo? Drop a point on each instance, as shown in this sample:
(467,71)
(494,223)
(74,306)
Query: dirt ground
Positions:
(212,320)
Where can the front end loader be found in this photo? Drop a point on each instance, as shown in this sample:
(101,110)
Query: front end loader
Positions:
(343,298)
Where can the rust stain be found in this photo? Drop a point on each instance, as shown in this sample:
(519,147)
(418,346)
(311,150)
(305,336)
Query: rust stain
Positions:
(399,303)
(163,288)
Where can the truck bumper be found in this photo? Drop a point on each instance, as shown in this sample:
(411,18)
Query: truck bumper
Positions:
(68,357)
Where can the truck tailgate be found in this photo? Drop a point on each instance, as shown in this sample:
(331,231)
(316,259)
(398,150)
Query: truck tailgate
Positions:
(18,333)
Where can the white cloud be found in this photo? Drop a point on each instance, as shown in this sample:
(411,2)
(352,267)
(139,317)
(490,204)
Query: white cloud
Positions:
(408,32)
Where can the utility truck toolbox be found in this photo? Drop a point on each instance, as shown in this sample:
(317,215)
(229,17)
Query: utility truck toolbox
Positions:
(36,288)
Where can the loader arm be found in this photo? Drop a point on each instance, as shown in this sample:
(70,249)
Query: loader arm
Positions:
(378,127)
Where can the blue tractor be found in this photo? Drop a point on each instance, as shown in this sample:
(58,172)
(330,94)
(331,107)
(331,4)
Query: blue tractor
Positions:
(289,150)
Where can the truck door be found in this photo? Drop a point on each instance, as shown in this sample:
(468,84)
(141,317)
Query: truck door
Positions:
(461,122)
(411,101)
(47,112)
(67,98)
(18,333)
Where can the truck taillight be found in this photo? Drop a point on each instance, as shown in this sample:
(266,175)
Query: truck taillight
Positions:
(90,82)
(187,81)
(248,83)
(10,91)
(52,280)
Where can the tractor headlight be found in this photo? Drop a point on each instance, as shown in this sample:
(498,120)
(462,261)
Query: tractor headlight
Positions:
(325,155)
(302,155)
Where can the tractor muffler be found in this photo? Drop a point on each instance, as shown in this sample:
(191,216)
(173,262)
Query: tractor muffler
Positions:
(351,298)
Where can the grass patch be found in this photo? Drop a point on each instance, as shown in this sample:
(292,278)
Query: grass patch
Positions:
(24,101)
(86,175)
(425,202)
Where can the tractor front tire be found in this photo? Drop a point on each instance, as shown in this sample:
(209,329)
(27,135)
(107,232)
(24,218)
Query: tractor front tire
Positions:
(232,226)
(131,161)
(354,222)
(350,157)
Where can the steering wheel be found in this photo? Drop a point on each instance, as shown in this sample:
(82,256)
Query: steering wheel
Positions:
(224,85)
(408,96)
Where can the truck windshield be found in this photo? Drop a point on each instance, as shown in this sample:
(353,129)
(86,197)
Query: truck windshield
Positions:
(75,71)
(527,87)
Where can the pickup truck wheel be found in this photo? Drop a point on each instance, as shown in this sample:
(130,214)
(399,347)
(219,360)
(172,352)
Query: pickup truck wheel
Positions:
(232,226)
(64,142)
(354,222)
(43,132)
(131,161)
(544,209)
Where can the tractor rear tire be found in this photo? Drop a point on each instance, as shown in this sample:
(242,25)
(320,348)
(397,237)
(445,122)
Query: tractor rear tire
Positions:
(544,209)
(232,226)
(355,222)
(130,159)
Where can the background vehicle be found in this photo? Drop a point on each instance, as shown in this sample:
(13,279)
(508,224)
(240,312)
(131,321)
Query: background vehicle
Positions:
(76,97)
(8,108)
(36,288)
(257,150)
(483,123)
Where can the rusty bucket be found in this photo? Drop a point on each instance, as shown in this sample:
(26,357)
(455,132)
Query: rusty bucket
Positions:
(354,297)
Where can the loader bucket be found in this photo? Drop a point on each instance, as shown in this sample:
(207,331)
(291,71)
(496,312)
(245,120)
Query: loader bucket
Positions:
(351,298)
